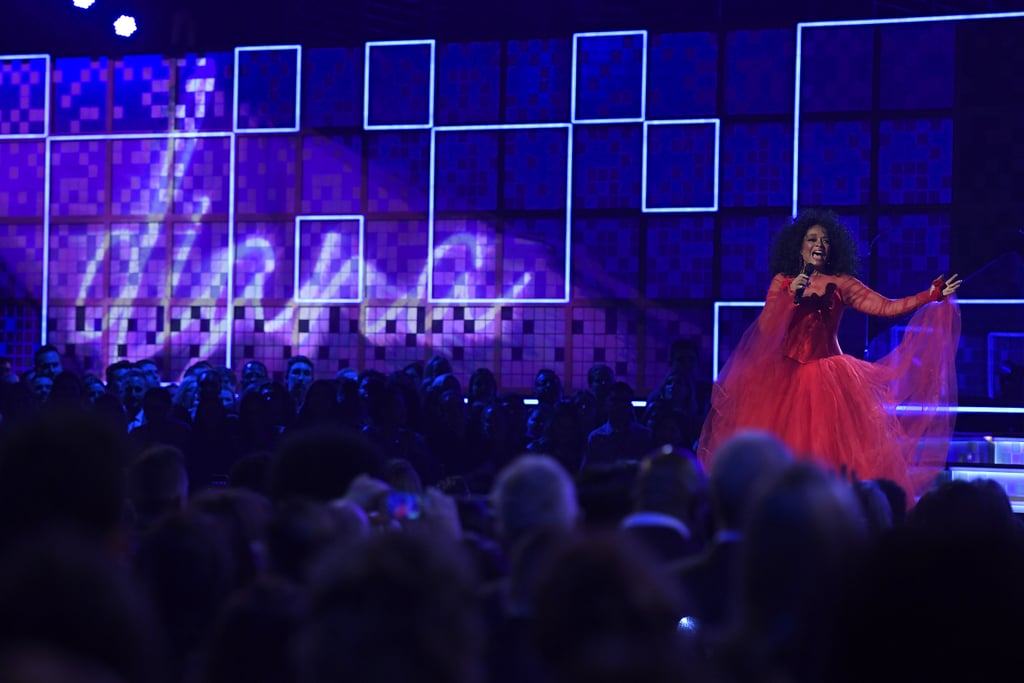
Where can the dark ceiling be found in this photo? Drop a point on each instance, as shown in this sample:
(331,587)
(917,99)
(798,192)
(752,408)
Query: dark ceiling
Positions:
(180,26)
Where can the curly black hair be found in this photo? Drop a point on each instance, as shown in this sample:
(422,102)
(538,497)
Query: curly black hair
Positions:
(842,257)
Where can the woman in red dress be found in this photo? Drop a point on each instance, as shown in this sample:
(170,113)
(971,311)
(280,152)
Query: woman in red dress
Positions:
(886,419)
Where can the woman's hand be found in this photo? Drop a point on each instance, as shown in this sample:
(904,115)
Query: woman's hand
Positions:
(799,282)
(948,286)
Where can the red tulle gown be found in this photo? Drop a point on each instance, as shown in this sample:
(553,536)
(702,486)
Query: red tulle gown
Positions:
(788,376)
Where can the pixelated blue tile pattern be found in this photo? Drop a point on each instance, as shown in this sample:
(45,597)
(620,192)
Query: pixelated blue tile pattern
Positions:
(267,87)
(756,164)
(399,170)
(609,77)
(680,256)
(332,87)
(681,165)
(682,76)
(332,174)
(912,249)
(915,161)
(835,163)
(23,96)
(399,85)
(468,84)
(918,68)
(836,69)
(759,72)
(607,162)
(80,95)
(466,175)
(606,257)
(142,94)
(537,81)
(205,87)
(744,255)
(535,168)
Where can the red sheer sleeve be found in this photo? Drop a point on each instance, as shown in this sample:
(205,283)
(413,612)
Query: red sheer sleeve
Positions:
(866,300)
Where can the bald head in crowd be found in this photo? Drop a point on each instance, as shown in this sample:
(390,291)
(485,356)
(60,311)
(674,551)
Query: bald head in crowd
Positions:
(531,494)
(740,469)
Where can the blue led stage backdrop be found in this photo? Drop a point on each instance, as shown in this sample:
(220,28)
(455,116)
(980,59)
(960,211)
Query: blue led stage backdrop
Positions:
(516,205)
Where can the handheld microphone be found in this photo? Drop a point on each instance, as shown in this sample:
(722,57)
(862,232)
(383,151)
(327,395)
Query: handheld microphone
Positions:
(808,269)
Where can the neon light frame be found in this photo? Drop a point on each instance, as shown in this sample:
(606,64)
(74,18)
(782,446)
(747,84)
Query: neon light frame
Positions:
(170,137)
(431,211)
(983,410)
(857,22)
(643,168)
(361,259)
(46,98)
(366,85)
(643,77)
(998,473)
(298,89)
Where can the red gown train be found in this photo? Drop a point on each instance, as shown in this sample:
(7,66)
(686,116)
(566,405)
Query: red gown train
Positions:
(788,376)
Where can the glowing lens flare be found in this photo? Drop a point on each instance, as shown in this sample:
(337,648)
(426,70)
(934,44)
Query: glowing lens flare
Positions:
(125,26)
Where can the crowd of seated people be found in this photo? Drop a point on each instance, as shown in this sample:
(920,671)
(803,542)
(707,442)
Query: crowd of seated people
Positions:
(392,527)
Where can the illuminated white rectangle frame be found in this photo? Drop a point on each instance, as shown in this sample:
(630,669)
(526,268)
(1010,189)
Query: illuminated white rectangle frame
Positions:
(431,191)
(366,85)
(361,259)
(170,137)
(46,98)
(643,77)
(984,410)
(998,474)
(990,355)
(298,89)
(643,169)
(857,22)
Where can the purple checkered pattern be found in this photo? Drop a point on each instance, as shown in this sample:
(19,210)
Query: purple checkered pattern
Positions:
(263,333)
(78,332)
(138,261)
(23,81)
(532,338)
(330,336)
(329,259)
(835,163)
(399,170)
(759,71)
(135,332)
(141,173)
(604,335)
(466,170)
(915,161)
(78,262)
(465,335)
(396,260)
(200,263)
(21,262)
(78,178)
(912,250)
(142,94)
(468,90)
(395,336)
(537,81)
(204,92)
(201,167)
(20,336)
(836,69)
(680,256)
(332,177)
(465,260)
(533,259)
(332,87)
(757,164)
(266,174)
(535,168)
(22,166)
(80,95)
(607,162)
(606,257)
(744,257)
(266,88)
(196,333)
(264,261)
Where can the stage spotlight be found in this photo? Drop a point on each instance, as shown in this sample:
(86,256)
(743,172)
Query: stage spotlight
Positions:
(83,4)
(125,26)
